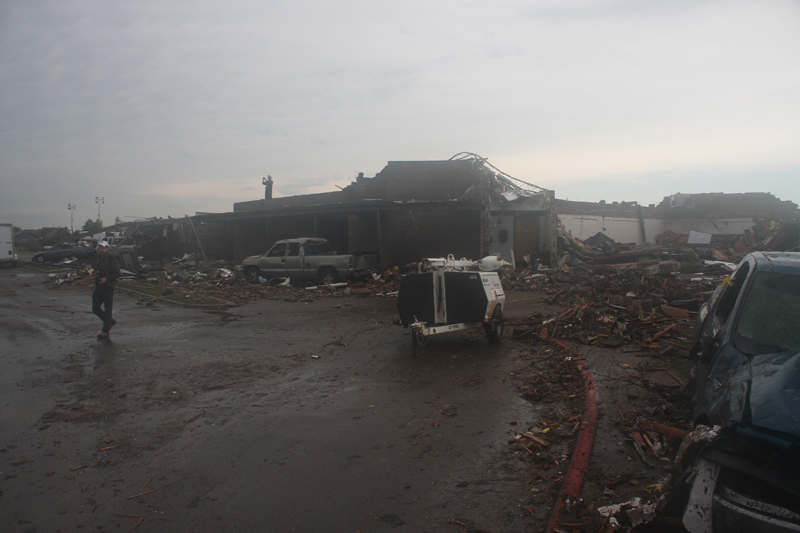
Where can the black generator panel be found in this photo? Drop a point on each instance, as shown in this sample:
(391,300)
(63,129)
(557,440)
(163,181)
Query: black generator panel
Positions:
(465,298)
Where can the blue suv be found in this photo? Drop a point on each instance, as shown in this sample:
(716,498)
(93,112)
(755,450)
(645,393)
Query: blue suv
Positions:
(747,380)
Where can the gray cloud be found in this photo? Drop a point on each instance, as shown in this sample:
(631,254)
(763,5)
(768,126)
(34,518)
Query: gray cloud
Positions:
(168,108)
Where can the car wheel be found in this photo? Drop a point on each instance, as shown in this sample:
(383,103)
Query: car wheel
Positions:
(252,274)
(328,276)
(39,259)
(494,328)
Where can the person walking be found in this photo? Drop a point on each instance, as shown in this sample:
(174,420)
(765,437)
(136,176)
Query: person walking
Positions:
(106,272)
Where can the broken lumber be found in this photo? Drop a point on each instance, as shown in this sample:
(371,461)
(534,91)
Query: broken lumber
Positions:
(661,428)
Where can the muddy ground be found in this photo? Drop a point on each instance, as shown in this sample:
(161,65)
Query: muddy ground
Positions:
(301,416)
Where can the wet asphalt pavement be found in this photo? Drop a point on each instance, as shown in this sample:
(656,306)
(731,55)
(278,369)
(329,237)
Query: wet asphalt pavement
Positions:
(273,416)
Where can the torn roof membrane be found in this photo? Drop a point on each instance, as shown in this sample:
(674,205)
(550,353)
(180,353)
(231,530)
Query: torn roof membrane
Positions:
(507,186)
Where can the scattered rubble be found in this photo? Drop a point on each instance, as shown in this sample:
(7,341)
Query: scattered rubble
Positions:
(614,305)
(605,295)
(220,281)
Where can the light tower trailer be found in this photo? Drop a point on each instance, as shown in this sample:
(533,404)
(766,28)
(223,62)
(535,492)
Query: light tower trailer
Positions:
(451,295)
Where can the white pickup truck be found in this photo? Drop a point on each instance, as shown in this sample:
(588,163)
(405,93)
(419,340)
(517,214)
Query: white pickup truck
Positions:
(309,259)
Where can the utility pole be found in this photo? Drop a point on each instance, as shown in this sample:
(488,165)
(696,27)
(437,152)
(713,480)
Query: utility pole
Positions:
(99,200)
(71,208)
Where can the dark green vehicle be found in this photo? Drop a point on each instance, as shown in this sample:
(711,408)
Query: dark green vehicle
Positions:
(67,250)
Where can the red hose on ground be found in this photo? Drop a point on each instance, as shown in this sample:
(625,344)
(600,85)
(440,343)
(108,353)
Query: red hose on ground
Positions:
(573,481)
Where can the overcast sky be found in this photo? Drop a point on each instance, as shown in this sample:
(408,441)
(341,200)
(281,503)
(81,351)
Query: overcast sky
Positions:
(174,107)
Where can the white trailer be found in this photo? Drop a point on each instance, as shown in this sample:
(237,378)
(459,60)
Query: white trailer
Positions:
(7,254)
(452,296)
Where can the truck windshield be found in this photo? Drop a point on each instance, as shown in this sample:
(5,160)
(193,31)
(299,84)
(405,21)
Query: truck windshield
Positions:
(770,318)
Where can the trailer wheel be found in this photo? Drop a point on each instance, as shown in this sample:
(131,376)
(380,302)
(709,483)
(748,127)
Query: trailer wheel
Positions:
(252,274)
(418,340)
(494,328)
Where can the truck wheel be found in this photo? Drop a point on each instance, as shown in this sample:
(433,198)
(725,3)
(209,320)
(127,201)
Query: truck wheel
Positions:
(494,328)
(328,276)
(252,274)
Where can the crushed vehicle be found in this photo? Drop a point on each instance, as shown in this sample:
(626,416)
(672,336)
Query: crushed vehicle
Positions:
(310,259)
(746,380)
(452,295)
(68,250)
(121,244)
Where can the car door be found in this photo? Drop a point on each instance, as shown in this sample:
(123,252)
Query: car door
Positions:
(63,251)
(293,262)
(85,252)
(309,260)
(718,360)
(272,263)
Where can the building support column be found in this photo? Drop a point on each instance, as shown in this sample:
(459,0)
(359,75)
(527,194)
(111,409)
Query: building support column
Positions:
(552,233)
(486,232)
(381,255)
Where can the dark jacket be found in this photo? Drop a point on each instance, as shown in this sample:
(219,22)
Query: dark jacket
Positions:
(106,267)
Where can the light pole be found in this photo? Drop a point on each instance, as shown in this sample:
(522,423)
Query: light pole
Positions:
(99,200)
(71,208)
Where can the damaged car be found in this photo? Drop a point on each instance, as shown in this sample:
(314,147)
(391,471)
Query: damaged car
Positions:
(747,381)
(68,250)
(309,258)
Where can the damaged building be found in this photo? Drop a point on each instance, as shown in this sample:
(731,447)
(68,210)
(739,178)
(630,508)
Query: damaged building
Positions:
(716,214)
(409,210)
(466,207)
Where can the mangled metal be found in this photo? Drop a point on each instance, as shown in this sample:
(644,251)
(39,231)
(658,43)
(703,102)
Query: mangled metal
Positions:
(748,370)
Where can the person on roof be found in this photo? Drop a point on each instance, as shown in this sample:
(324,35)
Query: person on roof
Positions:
(267,182)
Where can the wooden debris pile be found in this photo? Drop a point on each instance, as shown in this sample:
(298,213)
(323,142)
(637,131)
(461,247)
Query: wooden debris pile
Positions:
(650,305)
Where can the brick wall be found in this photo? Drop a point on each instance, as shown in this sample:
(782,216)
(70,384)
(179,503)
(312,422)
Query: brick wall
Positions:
(422,180)
(416,233)
(216,238)
(251,238)
(362,231)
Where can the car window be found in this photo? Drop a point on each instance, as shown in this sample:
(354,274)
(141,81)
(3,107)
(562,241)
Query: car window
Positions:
(279,250)
(314,248)
(294,249)
(730,293)
(770,315)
